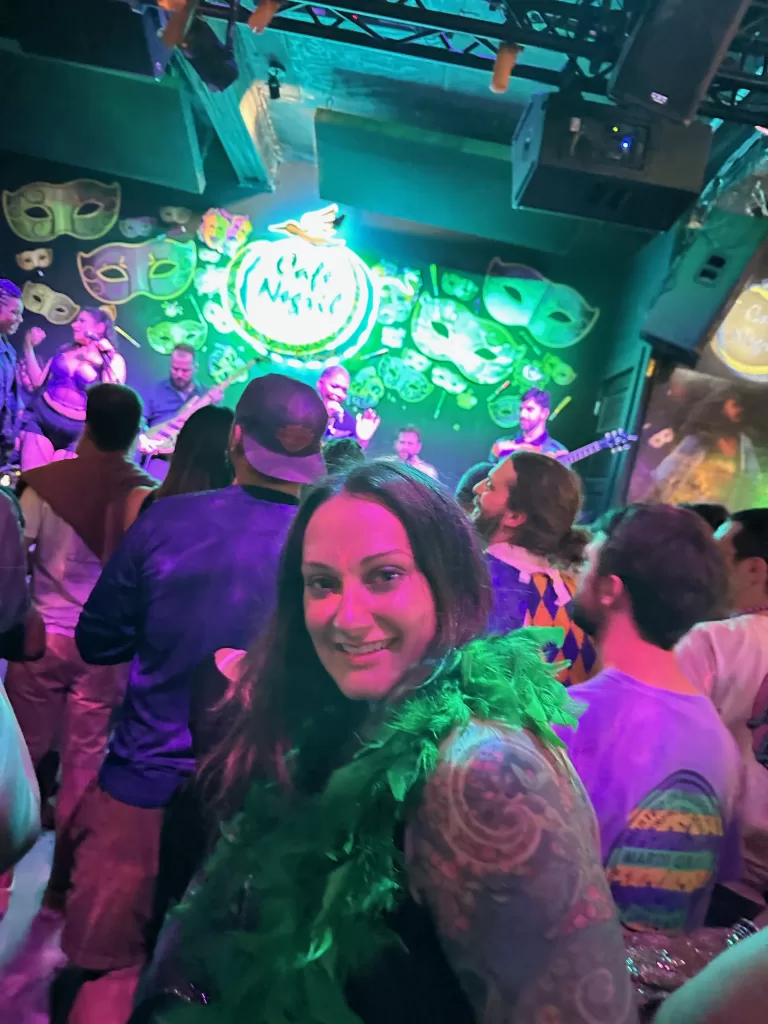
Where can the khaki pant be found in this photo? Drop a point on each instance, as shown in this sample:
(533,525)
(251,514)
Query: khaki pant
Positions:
(60,702)
(111,894)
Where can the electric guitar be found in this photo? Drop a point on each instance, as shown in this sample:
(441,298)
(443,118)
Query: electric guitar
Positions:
(161,439)
(615,440)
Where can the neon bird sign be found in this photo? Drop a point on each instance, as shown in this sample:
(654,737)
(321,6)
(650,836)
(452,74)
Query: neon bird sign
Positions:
(305,300)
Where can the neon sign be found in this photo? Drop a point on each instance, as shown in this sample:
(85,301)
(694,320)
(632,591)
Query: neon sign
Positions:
(741,341)
(303,300)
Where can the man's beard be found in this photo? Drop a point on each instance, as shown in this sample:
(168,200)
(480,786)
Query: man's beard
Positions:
(486,526)
(589,620)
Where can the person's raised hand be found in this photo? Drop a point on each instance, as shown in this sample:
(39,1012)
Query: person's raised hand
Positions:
(34,336)
(367,424)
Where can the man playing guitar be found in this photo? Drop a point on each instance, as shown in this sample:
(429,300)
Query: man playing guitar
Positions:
(166,400)
(533,437)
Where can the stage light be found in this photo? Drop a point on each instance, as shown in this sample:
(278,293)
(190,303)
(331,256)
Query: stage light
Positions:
(276,73)
(504,65)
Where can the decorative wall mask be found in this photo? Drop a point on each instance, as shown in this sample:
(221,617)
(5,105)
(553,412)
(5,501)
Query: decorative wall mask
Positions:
(83,208)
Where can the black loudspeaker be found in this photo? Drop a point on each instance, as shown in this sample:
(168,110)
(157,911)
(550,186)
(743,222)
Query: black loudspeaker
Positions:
(670,59)
(703,282)
(100,33)
(595,161)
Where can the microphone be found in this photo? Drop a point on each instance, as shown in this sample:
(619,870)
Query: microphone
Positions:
(106,352)
(336,410)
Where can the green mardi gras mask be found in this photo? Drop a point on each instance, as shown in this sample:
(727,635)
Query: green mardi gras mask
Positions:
(161,268)
(83,208)
(519,296)
(447,331)
(164,337)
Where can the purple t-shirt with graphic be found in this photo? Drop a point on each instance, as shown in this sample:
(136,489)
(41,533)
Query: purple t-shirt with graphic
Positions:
(664,775)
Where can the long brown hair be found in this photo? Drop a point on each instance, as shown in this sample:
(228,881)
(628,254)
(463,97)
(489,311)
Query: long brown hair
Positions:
(549,494)
(200,461)
(285,696)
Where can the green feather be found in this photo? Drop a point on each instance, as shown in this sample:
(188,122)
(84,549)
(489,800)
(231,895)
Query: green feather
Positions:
(321,873)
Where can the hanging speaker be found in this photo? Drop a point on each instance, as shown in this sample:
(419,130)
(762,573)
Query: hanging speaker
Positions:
(703,282)
(96,33)
(670,59)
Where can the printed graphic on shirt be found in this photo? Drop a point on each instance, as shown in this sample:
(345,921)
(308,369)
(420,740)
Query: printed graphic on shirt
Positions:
(664,863)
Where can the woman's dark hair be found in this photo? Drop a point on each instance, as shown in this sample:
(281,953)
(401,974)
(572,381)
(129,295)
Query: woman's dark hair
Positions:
(200,461)
(705,410)
(549,494)
(101,316)
(285,696)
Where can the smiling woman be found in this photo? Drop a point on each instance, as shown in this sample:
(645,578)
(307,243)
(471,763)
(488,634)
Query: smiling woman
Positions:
(368,608)
(425,853)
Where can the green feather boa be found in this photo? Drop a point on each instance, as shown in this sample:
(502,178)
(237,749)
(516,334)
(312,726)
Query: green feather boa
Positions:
(324,871)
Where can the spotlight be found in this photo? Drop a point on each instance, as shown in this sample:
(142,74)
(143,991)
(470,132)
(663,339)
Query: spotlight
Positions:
(276,74)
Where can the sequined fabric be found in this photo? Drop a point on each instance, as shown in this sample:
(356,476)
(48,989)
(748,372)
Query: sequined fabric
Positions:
(659,964)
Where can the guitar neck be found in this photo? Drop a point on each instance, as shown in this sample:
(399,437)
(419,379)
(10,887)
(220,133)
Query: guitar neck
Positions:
(171,427)
(582,453)
(238,374)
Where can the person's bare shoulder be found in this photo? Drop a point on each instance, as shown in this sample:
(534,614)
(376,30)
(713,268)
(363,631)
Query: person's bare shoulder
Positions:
(504,851)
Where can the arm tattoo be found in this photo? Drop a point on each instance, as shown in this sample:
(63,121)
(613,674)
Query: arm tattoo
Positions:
(503,850)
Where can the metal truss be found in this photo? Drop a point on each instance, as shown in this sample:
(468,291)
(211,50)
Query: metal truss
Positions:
(593,29)
(589,34)
(739,91)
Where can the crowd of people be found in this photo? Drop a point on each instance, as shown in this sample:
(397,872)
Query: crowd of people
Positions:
(323,742)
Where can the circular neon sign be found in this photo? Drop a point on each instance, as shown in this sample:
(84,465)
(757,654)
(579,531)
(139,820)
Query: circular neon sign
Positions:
(301,302)
(741,341)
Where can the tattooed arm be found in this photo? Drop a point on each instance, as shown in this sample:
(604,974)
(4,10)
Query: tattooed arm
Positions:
(503,850)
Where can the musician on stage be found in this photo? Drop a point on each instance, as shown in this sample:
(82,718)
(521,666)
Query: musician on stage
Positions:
(533,436)
(408,448)
(169,396)
(333,388)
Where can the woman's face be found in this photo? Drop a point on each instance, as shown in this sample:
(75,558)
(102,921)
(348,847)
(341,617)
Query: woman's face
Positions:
(87,328)
(368,609)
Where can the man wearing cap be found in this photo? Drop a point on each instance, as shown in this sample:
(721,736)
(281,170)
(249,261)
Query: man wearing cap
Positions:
(195,574)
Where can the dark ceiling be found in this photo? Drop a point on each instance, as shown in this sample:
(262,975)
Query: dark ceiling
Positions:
(71,77)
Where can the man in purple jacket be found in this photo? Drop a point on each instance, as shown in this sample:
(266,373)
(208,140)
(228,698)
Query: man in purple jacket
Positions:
(195,574)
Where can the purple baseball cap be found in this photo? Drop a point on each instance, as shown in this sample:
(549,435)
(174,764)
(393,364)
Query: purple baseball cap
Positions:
(283,423)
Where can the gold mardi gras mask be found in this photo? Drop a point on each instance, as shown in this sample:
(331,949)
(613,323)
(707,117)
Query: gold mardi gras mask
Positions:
(34,259)
(56,307)
(83,208)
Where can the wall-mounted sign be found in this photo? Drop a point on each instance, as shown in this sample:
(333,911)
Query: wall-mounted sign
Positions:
(741,341)
(306,300)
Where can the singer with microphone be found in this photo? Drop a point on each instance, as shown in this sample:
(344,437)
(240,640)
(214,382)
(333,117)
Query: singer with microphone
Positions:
(53,419)
(333,388)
